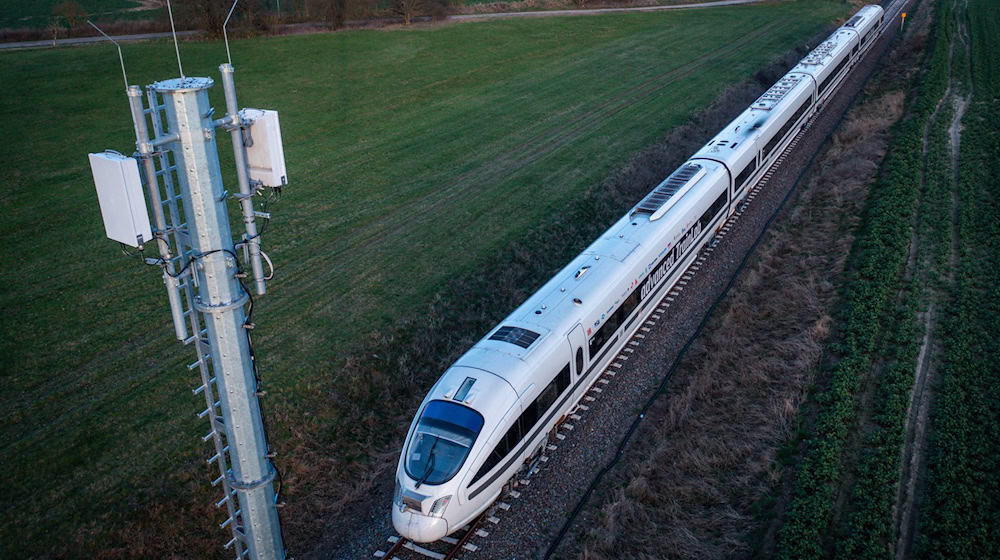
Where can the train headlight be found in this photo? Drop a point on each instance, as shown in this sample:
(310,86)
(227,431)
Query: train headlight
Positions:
(437,508)
(397,497)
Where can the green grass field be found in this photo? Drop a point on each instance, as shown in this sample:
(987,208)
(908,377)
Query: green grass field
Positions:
(412,154)
(36,13)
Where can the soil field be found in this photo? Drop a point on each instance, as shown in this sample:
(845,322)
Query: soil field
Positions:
(414,156)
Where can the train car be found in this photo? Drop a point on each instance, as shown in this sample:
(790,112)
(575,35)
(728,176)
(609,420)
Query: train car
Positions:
(495,407)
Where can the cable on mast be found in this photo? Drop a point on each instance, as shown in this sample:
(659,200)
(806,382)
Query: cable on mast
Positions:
(225,35)
(120,57)
(177,49)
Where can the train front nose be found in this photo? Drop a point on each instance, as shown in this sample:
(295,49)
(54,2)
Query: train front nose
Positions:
(417,526)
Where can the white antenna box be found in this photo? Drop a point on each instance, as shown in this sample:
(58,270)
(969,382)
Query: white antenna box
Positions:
(265,156)
(119,191)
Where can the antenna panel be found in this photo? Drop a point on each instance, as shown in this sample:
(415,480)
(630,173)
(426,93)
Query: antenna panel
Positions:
(265,156)
(119,192)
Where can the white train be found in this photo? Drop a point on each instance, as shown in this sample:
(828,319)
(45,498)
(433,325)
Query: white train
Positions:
(495,407)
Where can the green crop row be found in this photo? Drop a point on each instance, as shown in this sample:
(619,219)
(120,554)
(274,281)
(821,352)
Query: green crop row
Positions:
(869,529)
(869,525)
(877,260)
(961,513)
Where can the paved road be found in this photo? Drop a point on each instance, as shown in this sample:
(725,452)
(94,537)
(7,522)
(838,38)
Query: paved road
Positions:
(81,40)
(463,17)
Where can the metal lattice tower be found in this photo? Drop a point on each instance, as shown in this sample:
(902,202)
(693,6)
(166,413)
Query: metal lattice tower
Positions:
(203,278)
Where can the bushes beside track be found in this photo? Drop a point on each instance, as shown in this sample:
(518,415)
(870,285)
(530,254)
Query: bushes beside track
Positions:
(874,277)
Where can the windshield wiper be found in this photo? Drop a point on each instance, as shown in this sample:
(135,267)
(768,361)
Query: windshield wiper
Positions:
(430,463)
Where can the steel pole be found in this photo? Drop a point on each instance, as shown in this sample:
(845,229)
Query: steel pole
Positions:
(145,149)
(221,299)
(242,176)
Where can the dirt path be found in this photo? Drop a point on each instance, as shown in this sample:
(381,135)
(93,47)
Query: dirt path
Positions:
(907,505)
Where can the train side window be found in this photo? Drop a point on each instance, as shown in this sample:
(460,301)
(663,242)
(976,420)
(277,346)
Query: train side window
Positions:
(529,418)
(746,173)
(788,125)
(597,342)
(833,75)
(713,210)
(546,398)
(523,425)
(562,380)
(579,361)
(631,302)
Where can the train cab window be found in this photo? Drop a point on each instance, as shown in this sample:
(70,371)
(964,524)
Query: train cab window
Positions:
(579,361)
(441,442)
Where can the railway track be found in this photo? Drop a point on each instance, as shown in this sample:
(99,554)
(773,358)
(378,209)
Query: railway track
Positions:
(448,547)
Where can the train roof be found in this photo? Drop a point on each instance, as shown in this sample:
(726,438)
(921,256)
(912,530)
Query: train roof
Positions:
(735,144)
(871,11)
(579,290)
(582,289)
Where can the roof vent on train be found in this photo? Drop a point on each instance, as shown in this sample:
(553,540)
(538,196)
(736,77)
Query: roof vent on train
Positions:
(853,21)
(819,53)
(655,203)
(515,335)
(777,92)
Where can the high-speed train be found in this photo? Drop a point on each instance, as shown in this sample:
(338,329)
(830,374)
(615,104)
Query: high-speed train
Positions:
(494,408)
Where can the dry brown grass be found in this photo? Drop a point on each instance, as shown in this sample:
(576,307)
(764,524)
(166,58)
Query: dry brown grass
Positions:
(708,453)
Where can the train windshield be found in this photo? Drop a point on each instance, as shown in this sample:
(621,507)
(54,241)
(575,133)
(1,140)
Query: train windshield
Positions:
(441,442)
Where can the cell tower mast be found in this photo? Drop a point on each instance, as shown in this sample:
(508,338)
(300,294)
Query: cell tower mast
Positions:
(201,268)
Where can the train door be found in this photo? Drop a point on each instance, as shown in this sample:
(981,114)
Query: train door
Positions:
(577,340)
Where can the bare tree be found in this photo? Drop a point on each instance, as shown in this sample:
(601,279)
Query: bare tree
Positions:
(71,12)
(408,9)
(209,15)
(333,12)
